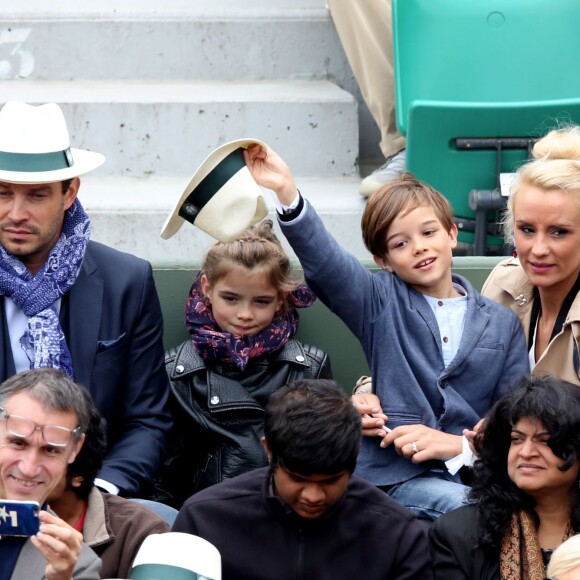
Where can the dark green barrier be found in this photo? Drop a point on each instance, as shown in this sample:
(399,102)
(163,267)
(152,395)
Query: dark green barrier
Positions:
(318,326)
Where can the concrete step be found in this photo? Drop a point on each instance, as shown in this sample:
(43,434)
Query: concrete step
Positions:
(169,40)
(167,128)
(178,40)
(128,214)
(57,9)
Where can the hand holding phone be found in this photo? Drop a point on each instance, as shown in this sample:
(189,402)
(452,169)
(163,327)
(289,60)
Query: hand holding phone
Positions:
(59,543)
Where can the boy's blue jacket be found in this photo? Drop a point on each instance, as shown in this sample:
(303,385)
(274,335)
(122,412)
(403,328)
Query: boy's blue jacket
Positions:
(400,337)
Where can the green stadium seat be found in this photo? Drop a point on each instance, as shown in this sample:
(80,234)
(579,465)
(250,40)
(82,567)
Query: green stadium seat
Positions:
(477,81)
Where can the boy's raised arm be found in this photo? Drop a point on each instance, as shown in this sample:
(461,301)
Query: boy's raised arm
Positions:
(270,170)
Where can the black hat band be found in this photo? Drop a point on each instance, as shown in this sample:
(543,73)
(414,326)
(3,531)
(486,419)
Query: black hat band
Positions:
(211,184)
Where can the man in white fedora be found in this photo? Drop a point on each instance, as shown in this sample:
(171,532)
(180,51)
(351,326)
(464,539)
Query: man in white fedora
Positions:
(73,304)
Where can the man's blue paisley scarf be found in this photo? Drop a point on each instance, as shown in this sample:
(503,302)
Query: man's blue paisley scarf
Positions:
(44,342)
(212,343)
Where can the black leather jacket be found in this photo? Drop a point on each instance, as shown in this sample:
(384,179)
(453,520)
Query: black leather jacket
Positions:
(218,412)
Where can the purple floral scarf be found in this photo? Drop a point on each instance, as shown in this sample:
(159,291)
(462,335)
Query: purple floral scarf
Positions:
(44,342)
(212,343)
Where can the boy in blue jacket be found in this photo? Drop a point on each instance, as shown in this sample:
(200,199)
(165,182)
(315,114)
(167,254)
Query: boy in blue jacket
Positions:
(440,354)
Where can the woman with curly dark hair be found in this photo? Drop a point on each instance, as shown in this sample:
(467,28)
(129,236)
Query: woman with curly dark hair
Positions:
(525,498)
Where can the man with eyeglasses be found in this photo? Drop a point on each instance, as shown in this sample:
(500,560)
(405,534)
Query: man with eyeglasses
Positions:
(43,419)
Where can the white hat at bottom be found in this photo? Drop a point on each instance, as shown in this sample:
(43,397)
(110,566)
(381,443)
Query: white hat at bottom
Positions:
(177,556)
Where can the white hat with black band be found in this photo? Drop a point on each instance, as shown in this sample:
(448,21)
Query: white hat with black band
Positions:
(222,198)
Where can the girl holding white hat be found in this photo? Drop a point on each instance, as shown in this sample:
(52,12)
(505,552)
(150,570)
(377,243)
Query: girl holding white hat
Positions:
(242,318)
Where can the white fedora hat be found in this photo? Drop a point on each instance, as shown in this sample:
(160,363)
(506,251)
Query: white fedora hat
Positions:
(177,556)
(222,198)
(35,146)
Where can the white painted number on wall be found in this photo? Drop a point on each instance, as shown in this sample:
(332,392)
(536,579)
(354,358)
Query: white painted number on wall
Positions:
(15,60)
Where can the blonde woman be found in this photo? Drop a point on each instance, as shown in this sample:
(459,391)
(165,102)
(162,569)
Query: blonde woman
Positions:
(542,285)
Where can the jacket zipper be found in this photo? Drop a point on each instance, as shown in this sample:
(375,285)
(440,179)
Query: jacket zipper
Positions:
(300,556)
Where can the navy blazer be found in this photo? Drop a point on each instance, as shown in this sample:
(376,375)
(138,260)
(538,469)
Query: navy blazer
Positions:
(113,325)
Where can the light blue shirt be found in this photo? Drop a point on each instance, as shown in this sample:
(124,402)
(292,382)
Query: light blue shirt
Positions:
(17,323)
(450,315)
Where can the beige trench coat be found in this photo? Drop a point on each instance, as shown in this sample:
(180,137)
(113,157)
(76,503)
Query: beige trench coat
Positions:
(509,285)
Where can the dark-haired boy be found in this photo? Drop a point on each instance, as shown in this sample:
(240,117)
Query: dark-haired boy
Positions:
(306,516)
(440,354)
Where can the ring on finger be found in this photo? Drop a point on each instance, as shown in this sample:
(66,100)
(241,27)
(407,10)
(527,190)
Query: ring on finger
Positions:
(414,447)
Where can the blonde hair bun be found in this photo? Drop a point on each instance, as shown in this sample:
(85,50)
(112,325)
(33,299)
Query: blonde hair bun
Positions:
(559,144)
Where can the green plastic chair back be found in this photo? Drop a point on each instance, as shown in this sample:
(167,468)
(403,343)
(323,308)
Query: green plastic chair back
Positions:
(485,51)
(433,157)
(481,68)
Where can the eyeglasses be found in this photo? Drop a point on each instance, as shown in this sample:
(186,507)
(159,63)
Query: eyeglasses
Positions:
(23,428)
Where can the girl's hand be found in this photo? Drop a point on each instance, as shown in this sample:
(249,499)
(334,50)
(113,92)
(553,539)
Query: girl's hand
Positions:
(471,433)
(269,170)
(372,416)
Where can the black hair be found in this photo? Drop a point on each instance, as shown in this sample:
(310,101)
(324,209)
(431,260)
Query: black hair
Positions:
(311,427)
(65,185)
(90,458)
(556,404)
